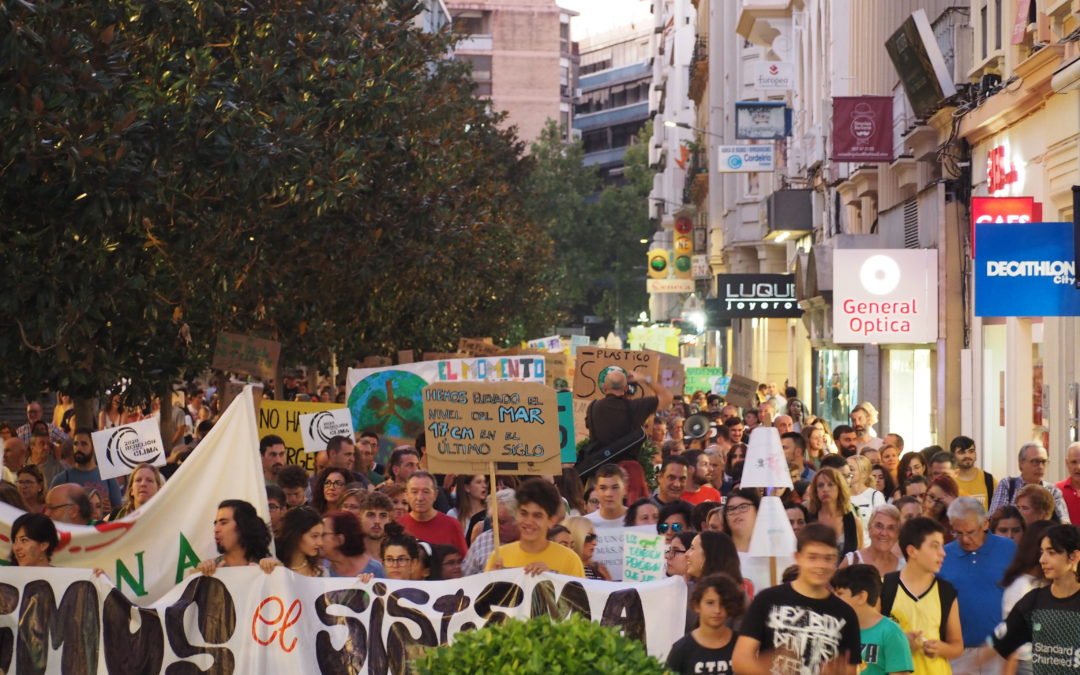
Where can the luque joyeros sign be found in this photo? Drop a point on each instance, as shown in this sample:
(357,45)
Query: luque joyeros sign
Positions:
(757,296)
(884,296)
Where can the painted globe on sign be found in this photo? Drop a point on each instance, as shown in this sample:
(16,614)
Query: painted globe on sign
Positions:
(389,403)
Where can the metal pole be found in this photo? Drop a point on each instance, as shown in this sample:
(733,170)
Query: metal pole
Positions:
(1076,233)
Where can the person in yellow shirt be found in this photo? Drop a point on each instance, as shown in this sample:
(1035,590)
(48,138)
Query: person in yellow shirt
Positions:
(973,481)
(538,511)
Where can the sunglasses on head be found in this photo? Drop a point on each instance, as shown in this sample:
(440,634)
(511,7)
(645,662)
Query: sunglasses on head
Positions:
(662,528)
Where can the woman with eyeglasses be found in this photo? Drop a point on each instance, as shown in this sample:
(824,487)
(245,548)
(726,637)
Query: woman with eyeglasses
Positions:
(583,542)
(942,491)
(882,551)
(675,555)
(328,488)
(31,484)
(740,514)
(674,518)
(401,554)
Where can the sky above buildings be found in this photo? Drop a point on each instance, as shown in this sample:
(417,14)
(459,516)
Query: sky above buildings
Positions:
(599,16)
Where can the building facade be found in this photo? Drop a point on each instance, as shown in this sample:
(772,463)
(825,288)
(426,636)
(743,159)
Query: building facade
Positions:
(522,59)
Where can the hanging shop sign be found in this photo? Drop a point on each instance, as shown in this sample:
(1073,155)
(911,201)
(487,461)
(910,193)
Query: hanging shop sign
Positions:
(749,296)
(669,285)
(745,158)
(862,129)
(884,296)
(762,120)
(774,76)
(1000,210)
(1025,269)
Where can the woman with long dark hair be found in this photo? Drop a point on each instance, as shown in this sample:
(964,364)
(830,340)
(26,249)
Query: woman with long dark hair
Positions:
(33,540)
(328,488)
(299,545)
(470,493)
(829,504)
(344,554)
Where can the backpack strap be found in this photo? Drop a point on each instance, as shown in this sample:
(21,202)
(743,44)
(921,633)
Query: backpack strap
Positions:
(1012,489)
(889,587)
(989,480)
(947,596)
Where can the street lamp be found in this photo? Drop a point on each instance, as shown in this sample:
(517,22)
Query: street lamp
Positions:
(684,125)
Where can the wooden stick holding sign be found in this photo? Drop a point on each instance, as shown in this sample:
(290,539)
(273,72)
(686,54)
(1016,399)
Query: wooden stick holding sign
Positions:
(493,428)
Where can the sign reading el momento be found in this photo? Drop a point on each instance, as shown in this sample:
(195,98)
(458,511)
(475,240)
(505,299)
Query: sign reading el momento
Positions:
(469,425)
(751,296)
(1025,269)
(884,296)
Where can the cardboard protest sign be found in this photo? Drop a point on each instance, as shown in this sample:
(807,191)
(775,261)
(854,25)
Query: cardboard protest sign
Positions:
(671,373)
(317,428)
(765,465)
(703,379)
(772,535)
(376,361)
(71,621)
(552,343)
(475,347)
(387,401)
(245,354)
(150,550)
(558,370)
(470,425)
(592,366)
(405,356)
(442,356)
(742,392)
(119,449)
(283,419)
(643,556)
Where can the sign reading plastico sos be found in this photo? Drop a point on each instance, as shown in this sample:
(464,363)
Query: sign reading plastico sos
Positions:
(884,296)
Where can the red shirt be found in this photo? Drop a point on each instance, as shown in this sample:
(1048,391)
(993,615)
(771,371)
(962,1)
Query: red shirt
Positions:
(1072,499)
(442,529)
(707,493)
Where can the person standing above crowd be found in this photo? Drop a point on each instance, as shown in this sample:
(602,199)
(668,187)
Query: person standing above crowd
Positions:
(1033,459)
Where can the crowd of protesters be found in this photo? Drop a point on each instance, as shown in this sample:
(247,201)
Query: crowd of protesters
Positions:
(907,560)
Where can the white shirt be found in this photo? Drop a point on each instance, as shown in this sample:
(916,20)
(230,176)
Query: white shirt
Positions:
(609,543)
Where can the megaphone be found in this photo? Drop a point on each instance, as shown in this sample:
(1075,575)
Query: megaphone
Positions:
(695,426)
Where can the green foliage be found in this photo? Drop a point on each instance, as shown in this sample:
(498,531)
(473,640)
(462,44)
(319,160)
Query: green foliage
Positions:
(597,229)
(540,646)
(316,173)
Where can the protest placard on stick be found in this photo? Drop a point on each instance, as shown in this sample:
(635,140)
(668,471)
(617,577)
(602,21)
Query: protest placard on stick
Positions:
(246,354)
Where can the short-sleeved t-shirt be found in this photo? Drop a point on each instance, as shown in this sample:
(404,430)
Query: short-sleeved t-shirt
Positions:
(924,613)
(687,657)
(1051,625)
(559,559)
(975,576)
(442,529)
(885,649)
(609,543)
(706,493)
(815,630)
(976,487)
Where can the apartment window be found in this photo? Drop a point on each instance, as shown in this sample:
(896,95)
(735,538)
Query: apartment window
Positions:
(472,22)
(997,24)
(481,65)
(595,141)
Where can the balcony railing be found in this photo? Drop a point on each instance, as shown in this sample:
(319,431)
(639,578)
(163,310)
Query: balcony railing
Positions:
(699,70)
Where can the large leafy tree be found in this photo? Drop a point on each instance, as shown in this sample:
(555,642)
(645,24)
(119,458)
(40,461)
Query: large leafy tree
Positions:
(318,173)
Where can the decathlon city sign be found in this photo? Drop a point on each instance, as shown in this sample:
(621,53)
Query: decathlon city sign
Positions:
(884,296)
(1025,269)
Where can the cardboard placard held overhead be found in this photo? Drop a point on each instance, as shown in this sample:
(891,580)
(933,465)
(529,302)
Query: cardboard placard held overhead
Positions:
(121,449)
(405,356)
(592,365)
(742,392)
(317,428)
(672,373)
(376,362)
(470,425)
(245,354)
(476,347)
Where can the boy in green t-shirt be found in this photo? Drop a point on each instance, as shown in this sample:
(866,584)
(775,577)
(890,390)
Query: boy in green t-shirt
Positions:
(885,648)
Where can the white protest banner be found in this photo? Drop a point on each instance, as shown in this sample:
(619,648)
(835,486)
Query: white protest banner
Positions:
(552,343)
(119,449)
(765,466)
(150,551)
(387,400)
(245,621)
(319,427)
(643,556)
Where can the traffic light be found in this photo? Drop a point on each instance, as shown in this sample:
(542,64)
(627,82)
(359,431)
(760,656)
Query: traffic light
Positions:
(659,262)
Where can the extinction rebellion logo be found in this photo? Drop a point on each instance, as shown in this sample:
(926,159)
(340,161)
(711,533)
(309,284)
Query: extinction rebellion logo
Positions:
(126,447)
(323,426)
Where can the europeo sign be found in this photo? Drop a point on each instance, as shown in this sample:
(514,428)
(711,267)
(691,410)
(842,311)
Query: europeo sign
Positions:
(884,296)
(1025,269)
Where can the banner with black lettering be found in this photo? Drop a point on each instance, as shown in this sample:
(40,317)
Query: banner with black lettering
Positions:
(242,620)
(149,551)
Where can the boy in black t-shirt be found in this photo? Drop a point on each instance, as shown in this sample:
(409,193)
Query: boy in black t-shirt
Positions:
(801,628)
(707,649)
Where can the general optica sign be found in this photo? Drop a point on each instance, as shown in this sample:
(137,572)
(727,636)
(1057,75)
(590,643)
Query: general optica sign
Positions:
(884,296)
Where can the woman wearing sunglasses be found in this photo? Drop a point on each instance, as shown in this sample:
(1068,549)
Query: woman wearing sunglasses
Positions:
(674,518)
(583,542)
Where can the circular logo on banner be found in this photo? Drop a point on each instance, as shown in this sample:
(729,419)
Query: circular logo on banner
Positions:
(129,449)
(322,426)
(880,274)
(734,161)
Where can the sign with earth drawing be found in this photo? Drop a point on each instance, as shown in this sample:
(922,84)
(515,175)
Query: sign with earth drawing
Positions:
(388,401)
